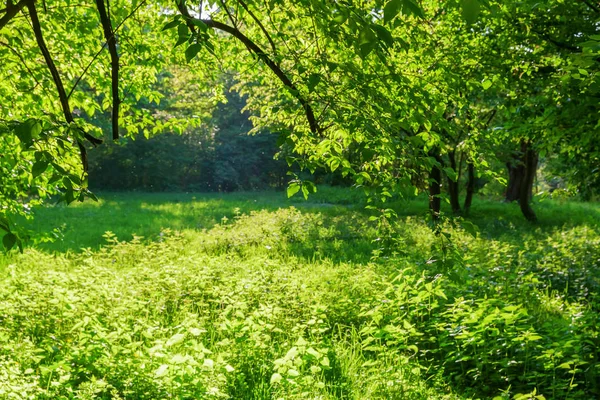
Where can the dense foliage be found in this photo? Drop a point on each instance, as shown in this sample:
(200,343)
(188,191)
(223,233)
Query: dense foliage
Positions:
(272,301)
(395,95)
(218,155)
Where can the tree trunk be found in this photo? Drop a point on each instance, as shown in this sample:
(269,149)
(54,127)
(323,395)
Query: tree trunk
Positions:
(453,190)
(435,187)
(470,186)
(517,172)
(521,175)
(531,161)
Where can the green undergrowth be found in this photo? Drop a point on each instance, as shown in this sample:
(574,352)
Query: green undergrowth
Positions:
(239,299)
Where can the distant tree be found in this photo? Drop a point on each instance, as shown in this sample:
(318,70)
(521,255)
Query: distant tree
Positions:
(218,153)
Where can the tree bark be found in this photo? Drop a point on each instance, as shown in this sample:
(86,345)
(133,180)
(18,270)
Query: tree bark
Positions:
(521,175)
(531,161)
(453,190)
(435,187)
(516,174)
(470,186)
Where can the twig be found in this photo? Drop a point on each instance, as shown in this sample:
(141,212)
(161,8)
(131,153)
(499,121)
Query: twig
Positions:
(262,27)
(253,47)
(233,21)
(102,48)
(22,61)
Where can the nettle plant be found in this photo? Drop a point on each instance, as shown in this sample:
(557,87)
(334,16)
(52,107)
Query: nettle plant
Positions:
(498,325)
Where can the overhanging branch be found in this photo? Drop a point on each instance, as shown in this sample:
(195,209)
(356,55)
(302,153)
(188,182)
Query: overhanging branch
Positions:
(310,116)
(111,41)
(62,95)
(260,25)
(253,47)
(11,10)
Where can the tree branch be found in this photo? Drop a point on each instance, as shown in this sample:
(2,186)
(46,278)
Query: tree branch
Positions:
(592,6)
(556,43)
(233,20)
(262,27)
(16,53)
(12,10)
(62,95)
(111,41)
(490,118)
(310,116)
(102,48)
(253,47)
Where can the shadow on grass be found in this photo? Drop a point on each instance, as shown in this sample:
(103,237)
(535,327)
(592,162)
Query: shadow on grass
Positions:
(82,225)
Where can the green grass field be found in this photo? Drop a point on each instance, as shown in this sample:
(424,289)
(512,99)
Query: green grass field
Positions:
(254,296)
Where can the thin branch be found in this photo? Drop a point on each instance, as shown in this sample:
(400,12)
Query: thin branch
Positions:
(39,37)
(102,48)
(12,10)
(592,6)
(489,120)
(262,27)
(111,41)
(64,101)
(314,25)
(22,61)
(233,21)
(253,47)
(310,116)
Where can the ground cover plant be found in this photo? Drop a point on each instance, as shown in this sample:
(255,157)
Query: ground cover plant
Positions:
(251,296)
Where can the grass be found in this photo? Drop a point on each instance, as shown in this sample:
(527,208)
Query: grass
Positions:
(253,296)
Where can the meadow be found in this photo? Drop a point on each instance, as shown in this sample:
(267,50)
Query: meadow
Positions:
(254,296)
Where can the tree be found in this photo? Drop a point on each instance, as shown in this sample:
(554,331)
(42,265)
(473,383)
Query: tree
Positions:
(390,94)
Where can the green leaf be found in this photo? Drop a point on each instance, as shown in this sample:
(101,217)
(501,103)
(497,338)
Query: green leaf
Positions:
(27,131)
(312,352)
(341,17)
(311,187)
(334,164)
(413,8)
(391,9)
(67,183)
(39,167)
(199,24)
(171,24)
(59,169)
(175,339)
(292,189)
(305,192)
(469,227)
(4,223)
(366,49)
(9,240)
(452,175)
(384,35)
(184,34)
(470,10)
(162,370)
(486,84)
(276,378)
(313,80)
(192,50)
